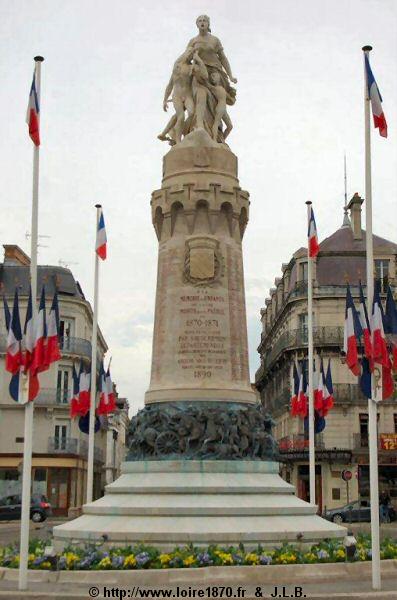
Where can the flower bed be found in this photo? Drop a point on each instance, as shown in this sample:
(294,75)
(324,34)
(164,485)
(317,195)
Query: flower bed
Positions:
(92,557)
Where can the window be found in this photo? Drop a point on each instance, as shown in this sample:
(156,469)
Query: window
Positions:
(382,273)
(303,271)
(63,385)
(335,493)
(60,437)
(363,430)
(303,327)
(66,332)
(395,422)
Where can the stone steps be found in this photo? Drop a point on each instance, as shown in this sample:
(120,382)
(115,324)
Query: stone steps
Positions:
(196,505)
(168,503)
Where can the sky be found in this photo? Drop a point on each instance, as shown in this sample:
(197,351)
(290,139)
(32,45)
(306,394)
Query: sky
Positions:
(299,107)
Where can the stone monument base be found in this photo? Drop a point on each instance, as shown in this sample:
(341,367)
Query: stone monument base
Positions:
(168,503)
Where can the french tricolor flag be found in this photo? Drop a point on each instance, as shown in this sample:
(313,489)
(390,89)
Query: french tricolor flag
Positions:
(312,234)
(379,345)
(53,353)
(365,326)
(39,353)
(302,394)
(100,246)
(29,340)
(74,400)
(352,333)
(391,322)
(14,357)
(294,399)
(33,113)
(376,99)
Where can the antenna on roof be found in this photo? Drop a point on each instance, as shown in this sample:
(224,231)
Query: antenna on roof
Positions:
(63,263)
(346,220)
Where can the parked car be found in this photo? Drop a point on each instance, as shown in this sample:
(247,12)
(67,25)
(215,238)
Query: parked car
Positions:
(11,508)
(360,510)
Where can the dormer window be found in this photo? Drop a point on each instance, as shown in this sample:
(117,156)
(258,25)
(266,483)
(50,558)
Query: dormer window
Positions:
(303,271)
(382,273)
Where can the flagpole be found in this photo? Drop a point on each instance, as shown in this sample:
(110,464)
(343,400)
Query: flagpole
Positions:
(91,434)
(29,407)
(372,402)
(312,463)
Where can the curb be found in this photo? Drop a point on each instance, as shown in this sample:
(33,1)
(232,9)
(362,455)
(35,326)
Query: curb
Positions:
(243,575)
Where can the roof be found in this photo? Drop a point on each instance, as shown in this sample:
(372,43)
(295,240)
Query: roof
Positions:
(342,258)
(54,278)
(342,240)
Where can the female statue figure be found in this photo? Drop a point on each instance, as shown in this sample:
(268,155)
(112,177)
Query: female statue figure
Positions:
(210,51)
(201,86)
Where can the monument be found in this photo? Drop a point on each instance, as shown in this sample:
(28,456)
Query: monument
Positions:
(202,462)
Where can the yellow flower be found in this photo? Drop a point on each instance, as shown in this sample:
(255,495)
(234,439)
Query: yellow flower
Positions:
(130,561)
(189,561)
(46,565)
(252,559)
(164,559)
(71,558)
(105,563)
(31,557)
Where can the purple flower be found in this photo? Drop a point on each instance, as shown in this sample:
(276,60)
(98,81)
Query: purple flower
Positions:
(237,559)
(142,558)
(62,563)
(204,559)
(117,561)
(264,559)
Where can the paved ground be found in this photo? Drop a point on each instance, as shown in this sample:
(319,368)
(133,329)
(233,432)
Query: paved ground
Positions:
(9,530)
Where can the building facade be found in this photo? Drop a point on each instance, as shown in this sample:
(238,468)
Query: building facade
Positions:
(60,449)
(343,445)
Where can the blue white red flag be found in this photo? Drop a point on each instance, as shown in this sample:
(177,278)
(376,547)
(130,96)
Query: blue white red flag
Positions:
(303,394)
(100,246)
(352,334)
(391,325)
(365,326)
(14,356)
(328,391)
(106,393)
(29,339)
(376,100)
(53,353)
(312,234)
(294,399)
(33,113)
(379,345)
(74,400)
(40,339)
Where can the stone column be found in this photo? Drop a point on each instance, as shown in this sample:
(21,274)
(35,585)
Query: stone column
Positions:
(200,349)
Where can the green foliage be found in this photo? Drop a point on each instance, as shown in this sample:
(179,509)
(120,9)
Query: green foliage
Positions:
(141,556)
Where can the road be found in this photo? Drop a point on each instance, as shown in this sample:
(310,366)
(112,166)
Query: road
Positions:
(10,530)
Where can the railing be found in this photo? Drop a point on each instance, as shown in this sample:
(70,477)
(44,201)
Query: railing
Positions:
(300,442)
(69,445)
(348,392)
(52,397)
(68,345)
(75,345)
(62,445)
(297,338)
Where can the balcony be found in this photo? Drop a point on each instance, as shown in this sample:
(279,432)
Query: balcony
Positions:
(300,442)
(75,446)
(69,346)
(52,397)
(62,445)
(298,338)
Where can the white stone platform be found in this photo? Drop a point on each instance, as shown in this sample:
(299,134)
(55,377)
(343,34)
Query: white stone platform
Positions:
(165,503)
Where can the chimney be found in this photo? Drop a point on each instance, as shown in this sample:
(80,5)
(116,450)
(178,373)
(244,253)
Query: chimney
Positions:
(14,255)
(355,216)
